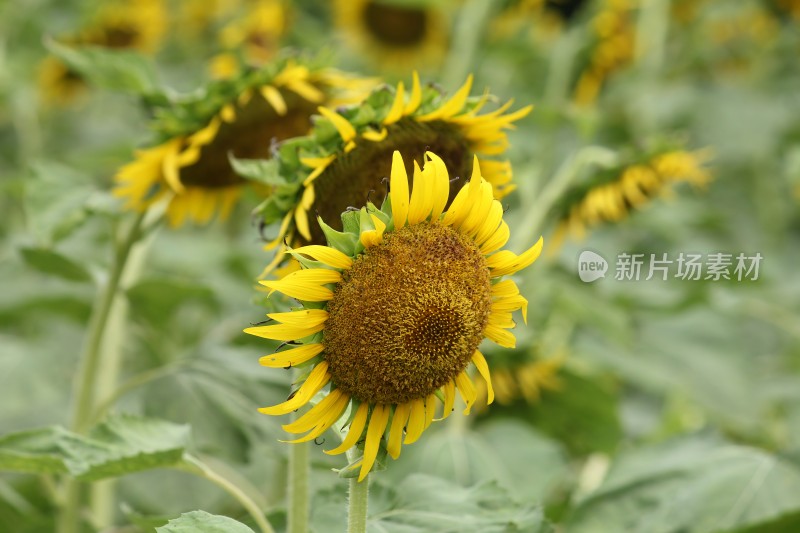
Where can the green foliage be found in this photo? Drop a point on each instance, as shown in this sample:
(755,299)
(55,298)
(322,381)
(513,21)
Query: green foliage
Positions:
(203,522)
(120,445)
(694,484)
(54,264)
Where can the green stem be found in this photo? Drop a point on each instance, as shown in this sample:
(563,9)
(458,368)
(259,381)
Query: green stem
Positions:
(196,466)
(468,34)
(299,471)
(357,502)
(86,386)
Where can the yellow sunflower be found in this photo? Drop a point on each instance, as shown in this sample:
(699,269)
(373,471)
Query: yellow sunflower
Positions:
(397,35)
(126,24)
(341,162)
(191,166)
(526,380)
(394,310)
(256,36)
(610,196)
(614,28)
(544,19)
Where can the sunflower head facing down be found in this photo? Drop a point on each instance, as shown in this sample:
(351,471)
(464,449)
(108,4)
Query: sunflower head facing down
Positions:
(394,309)
(397,35)
(190,166)
(344,159)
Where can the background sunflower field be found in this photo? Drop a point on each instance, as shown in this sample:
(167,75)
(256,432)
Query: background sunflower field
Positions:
(662,399)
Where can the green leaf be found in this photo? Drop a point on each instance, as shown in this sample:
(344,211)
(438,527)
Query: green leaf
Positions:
(120,445)
(261,170)
(116,70)
(53,263)
(203,522)
(158,299)
(56,198)
(693,484)
(422,503)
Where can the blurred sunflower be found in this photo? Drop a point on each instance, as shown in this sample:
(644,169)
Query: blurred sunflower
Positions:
(255,35)
(394,309)
(124,24)
(521,379)
(242,117)
(614,29)
(545,19)
(398,35)
(340,163)
(611,195)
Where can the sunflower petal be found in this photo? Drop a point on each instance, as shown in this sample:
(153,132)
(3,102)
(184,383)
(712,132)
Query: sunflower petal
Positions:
(375,431)
(416,421)
(292,357)
(399,421)
(325,254)
(483,370)
(355,431)
(342,125)
(396,111)
(398,191)
(318,378)
(467,390)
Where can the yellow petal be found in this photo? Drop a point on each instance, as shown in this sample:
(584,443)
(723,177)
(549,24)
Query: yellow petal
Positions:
(420,206)
(325,254)
(483,370)
(345,129)
(292,357)
(489,225)
(505,262)
(355,431)
(305,317)
(398,191)
(306,284)
(416,421)
(326,420)
(452,106)
(497,240)
(449,398)
(275,99)
(416,95)
(375,431)
(375,136)
(430,409)
(467,390)
(500,336)
(317,379)
(322,163)
(314,415)
(306,90)
(284,332)
(399,421)
(396,111)
(441,185)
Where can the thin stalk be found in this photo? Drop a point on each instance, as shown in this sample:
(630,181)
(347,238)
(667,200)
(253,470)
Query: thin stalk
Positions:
(357,502)
(86,386)
(298,472)
(468,34)
(196,466)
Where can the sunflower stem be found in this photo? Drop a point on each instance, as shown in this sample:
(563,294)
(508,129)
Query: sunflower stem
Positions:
(357,501)
(90,363)
(299,471)
(468,34)
(195,466)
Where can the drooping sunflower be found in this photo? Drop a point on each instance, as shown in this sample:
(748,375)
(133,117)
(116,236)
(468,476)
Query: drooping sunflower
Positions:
(521,377)
(190,164)
(255,36)
(394,309)
(344,158)
(398,35)
(124,24)
(610,195)
(543,19)
(614,45)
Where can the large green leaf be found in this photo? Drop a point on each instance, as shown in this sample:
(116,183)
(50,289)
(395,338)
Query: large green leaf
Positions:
(692,484)
(203,522)
(120,445)
(53,263)
(423,503)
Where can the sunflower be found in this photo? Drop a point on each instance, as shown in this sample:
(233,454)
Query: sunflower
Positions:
(341,162)
(243,116)
(544,18)
(255,35)
(130,25)
(397,35)
(610,196)
(394,309)
(524,379)
(614,30)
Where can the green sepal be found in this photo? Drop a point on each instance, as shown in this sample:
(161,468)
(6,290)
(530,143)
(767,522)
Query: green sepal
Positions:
(260,170)
(344,242)
(352,222)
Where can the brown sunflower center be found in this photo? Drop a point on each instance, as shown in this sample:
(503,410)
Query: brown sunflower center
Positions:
(408,316)
(396,25)
(360,173)
(249,136)
(565,9)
